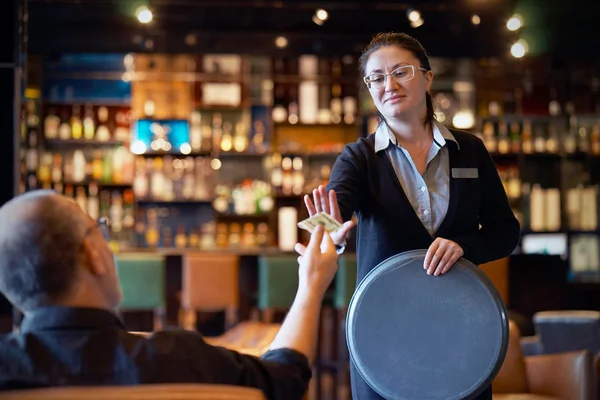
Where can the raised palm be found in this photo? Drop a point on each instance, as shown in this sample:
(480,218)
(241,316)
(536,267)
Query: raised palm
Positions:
(321,202)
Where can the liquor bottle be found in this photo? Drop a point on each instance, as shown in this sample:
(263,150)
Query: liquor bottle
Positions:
(503,141)
(336,103)
(570,139)
(122,132)
(489,137)
(240,140)
(248,236)
(78,166)
(515,139)
(107,166)
(583,140)
(297,176)
(102,132)
(64,129)
(152,236)
(68,168)
(88,123)
(553,140)
(93,204)
(539,139)
(181,238)
(194,240)
(227,139)
(45,167)
(293,109)
(216,131)
(262,234)
(97,168)
(527,137)
(51,124)
(116,212)
(57,173)
(128,209)
(76,125)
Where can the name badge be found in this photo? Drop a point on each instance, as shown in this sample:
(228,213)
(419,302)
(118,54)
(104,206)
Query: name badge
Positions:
(465,173)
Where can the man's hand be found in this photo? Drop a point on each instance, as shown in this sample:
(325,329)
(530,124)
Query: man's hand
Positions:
(441,256)
(317,261)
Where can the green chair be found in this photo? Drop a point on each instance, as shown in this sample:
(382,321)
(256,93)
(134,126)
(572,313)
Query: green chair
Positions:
(277,283)
(345,283)
(143,281)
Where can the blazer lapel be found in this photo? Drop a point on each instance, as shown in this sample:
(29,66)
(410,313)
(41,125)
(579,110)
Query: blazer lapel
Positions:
(454,200)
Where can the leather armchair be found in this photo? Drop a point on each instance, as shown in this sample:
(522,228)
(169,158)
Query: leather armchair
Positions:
(139,392)
(564,376)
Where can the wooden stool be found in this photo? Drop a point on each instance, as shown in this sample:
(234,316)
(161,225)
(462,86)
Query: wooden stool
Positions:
(210,282)
(142,279)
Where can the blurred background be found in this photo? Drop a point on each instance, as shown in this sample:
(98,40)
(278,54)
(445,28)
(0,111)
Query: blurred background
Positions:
(196,127)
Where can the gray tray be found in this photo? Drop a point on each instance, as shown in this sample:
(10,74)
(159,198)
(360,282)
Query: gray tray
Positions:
(413,336)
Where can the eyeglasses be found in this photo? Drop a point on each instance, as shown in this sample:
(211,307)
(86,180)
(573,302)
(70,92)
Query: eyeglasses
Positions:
(103,225)
(401,74)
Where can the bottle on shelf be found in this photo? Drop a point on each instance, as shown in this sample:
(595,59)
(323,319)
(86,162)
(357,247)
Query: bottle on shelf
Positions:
(76,125)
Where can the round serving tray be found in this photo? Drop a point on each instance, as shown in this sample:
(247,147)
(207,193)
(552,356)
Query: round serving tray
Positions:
(414,336)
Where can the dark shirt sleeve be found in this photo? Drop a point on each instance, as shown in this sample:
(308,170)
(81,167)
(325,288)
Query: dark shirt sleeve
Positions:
(282,374)
(346,180)
(500,231)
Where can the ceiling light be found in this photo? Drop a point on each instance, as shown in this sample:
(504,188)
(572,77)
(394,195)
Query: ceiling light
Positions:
(143,14)
(322,14)
(515,22)
(475,20)
(519,49)
(317,20)
(413,15)
(281,42)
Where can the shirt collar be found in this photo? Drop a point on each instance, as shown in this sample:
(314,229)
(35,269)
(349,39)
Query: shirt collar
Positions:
(59,318)
(384,136)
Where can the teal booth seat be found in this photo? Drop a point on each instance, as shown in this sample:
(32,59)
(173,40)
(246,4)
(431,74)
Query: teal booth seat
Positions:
(345,281)
(143,281)
(277,281)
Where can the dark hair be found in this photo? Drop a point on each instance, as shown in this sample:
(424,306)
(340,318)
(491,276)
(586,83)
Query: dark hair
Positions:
(406,42)
(40,242)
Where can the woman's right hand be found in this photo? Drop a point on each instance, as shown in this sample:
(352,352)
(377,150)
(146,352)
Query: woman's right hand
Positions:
(329,205)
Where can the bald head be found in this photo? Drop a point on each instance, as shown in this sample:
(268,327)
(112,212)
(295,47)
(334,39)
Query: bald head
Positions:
(41,234)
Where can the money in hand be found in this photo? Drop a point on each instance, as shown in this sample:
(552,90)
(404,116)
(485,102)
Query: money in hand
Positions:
(327,221)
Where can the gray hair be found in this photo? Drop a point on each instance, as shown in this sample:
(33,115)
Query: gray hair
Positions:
(40,241)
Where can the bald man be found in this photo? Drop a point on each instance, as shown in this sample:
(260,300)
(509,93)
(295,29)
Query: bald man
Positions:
(57,268)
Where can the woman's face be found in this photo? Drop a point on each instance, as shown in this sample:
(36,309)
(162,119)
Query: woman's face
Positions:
(396,97)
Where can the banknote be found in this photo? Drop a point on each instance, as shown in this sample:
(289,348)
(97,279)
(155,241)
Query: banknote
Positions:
(327,221)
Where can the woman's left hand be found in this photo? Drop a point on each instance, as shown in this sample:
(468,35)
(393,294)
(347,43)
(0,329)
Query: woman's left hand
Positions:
(441,256)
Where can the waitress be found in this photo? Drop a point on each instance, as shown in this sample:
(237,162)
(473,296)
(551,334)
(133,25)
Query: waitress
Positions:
(414,184)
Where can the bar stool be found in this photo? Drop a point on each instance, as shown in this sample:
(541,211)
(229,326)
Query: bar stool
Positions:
(277,284)
(142,279)
(210,282)
(345,283)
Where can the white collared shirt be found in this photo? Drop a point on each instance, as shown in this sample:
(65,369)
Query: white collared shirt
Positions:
(429,194)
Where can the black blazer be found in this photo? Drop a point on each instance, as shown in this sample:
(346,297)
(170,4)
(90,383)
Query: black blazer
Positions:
(366,184)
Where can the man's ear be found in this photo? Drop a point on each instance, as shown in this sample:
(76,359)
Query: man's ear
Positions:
(91,258)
